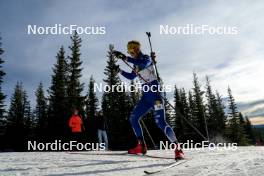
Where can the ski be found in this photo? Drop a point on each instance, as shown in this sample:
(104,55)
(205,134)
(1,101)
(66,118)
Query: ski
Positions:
(166,167)
(158,157)
(93,153)
(122,153)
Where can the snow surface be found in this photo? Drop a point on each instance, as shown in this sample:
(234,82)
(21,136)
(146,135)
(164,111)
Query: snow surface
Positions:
(243,161)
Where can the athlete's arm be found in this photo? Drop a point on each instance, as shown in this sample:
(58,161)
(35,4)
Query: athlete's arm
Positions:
(127,75)
(142,62)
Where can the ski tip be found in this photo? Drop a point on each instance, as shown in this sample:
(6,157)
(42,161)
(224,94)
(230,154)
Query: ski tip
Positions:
(179,159)
(165,168)
(147,172)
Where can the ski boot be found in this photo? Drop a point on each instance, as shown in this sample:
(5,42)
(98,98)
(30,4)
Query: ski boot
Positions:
(178,153)
(141,148)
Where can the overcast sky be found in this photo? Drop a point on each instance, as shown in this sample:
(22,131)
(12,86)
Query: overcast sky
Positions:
(230,60)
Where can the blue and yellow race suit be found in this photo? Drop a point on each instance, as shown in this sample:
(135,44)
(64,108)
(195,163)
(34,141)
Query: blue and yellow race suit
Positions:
(151,99)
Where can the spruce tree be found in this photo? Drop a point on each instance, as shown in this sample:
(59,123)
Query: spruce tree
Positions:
(190,133)
(243,136)
(178,114)
(2,96)
(74,85)
(116,106)
(40,112)
(109,102)
(221,116)
(28,116)
(58,114)
(185,113)
(191,108)
(91,108)
(199,109)
(235,131)
(182,111)
(211,109)
(19,119)
(233,125)
(92,100)
(215,112)
(250,131)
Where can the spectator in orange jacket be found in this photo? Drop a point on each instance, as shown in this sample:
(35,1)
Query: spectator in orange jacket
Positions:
(76,125)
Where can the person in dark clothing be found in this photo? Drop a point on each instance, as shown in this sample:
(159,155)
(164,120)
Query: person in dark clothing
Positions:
(101,129)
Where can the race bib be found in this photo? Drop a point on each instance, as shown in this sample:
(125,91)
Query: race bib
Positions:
(158,105)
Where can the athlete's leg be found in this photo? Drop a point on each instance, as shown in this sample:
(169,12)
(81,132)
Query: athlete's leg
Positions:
(159,116)
(140,110)
(105,139)
(99,133)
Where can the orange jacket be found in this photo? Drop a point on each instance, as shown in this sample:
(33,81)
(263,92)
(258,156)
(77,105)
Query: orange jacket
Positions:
(75,123)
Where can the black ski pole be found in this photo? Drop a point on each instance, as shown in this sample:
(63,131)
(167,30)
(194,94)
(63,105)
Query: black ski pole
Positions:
(153,59)
(152,141)
(159,79)
(155,65)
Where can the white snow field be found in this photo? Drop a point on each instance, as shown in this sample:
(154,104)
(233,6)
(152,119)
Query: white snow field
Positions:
(243,161)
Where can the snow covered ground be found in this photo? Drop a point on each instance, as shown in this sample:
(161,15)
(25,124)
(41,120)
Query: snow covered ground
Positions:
(243,161)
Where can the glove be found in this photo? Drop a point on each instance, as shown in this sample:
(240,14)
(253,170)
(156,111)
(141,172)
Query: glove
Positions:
(153,57)
(116,69)
(119,55)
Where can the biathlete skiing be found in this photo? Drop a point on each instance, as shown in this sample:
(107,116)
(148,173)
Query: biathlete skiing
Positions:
(150,100)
